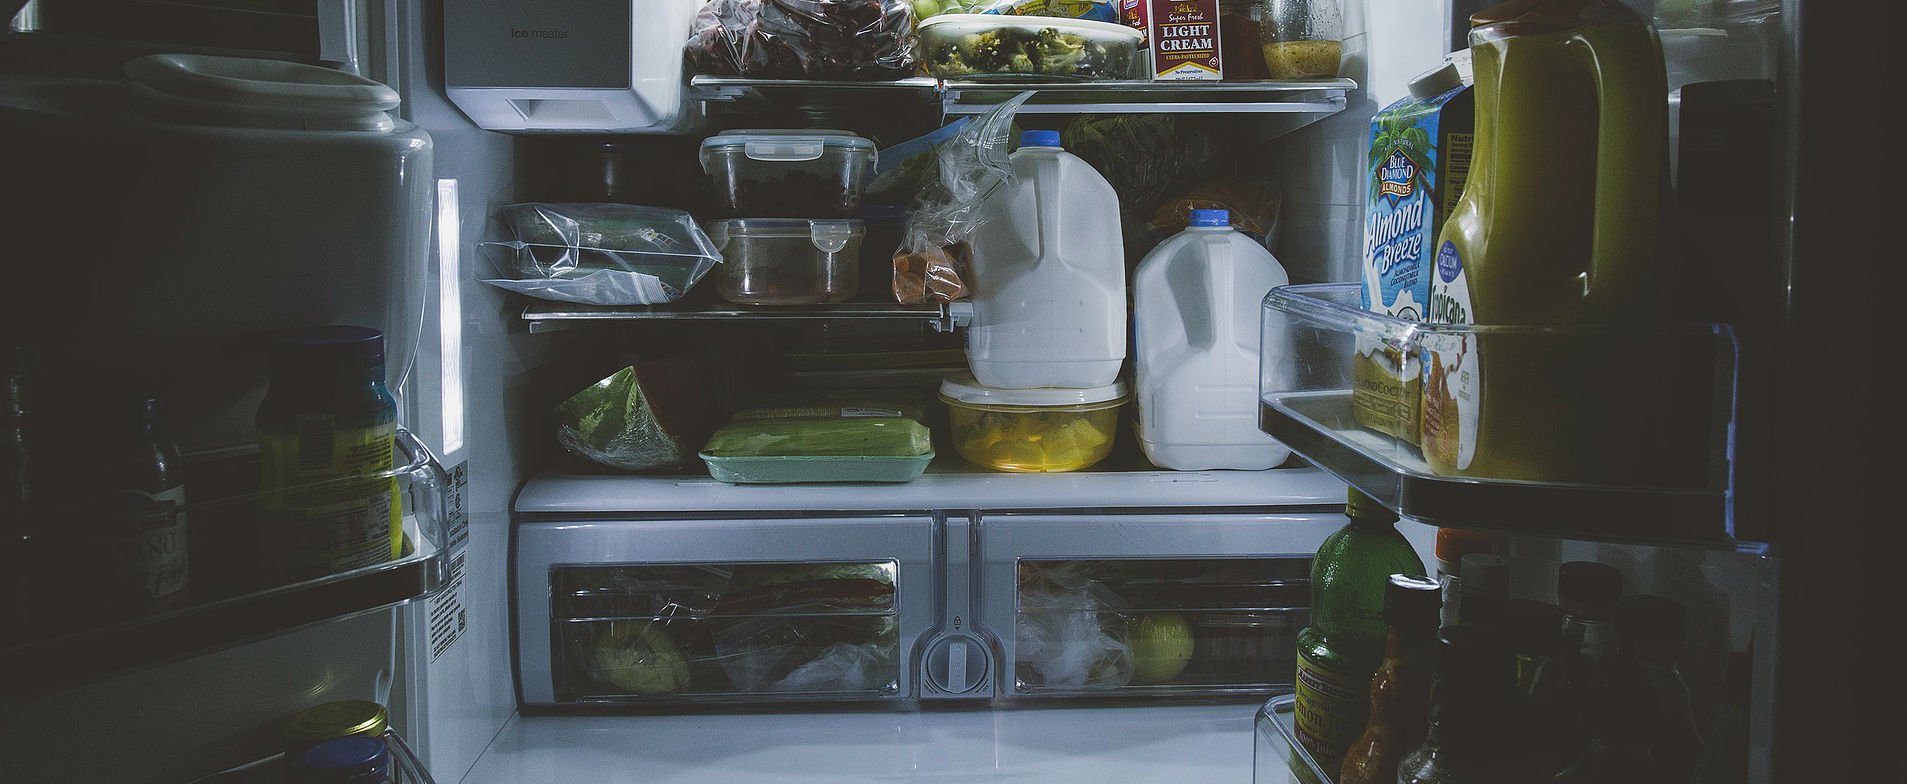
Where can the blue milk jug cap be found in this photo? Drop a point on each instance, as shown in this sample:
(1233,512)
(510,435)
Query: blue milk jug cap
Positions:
(1211,217)
(1039,138)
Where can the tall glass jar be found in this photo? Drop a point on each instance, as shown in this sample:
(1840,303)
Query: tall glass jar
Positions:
(327,433)
(1302,39)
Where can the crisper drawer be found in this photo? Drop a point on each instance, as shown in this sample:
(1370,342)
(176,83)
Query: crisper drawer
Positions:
(1130,605)
(672,612)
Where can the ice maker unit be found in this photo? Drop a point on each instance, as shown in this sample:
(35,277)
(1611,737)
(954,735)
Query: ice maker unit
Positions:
(571,65)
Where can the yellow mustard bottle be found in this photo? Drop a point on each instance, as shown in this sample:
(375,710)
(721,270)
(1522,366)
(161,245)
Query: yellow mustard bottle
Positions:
(1557,225)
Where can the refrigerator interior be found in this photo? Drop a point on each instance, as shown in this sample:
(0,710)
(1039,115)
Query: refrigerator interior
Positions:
(479,393)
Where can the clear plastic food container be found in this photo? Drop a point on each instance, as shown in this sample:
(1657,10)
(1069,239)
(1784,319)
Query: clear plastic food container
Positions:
(787,261)
(788,173)
(1032,430)
(982,47)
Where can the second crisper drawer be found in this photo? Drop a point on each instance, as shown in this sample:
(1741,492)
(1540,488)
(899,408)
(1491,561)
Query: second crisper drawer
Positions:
(1130,605)
(667,612)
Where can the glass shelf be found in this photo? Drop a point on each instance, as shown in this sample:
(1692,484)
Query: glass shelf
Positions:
(63,646)
(1311,100)
(552,316)
(1594,433)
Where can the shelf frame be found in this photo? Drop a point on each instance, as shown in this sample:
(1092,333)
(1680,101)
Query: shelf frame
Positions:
(1310,100)
(545,317)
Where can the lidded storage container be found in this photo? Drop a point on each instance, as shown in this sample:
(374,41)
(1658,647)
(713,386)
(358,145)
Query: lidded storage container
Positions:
(787,173)
(787,261)
(1032,430)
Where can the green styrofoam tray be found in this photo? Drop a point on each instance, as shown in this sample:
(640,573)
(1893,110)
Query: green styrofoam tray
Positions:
(795,470)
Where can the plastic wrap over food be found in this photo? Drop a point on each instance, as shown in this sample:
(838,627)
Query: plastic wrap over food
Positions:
(600,254)
(1094,10)
(810,628)
(932,261)
(653,414)
(861,40)
(1073,639)
(1146,157)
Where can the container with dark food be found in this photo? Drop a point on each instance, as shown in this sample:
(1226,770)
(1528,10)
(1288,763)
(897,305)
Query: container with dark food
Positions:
(787,261)
(787,174)
(989,47)
(857,40)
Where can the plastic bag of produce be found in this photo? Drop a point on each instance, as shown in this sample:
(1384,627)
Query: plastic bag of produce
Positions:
(931,263)
(1253,205)
(810,628)
(862,40)
(651,414)
(1073,639)
(600,254)
(1145,157)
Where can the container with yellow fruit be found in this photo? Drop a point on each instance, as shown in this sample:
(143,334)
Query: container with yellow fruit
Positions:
(1032,430)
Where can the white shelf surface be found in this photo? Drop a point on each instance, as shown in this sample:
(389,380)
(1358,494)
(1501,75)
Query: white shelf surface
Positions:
(1209,744)
(560,494)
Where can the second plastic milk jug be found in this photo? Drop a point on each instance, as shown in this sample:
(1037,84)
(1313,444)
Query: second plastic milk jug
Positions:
(1196,300)
(1049,275)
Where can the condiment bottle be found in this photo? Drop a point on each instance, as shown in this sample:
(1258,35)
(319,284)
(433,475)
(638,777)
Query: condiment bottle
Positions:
(327,434)
(333,720)
(353,760)
(1341,649)
(1400,692)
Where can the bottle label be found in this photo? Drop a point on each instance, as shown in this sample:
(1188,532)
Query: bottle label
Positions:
(354,518)
(143,547)
(1332,709)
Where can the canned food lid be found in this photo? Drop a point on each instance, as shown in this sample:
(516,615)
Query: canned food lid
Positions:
(827,235)
(337,720)
(963,388)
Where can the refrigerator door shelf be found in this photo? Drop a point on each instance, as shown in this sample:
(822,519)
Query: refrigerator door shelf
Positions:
(669,612)
(1619,432)
(61,650)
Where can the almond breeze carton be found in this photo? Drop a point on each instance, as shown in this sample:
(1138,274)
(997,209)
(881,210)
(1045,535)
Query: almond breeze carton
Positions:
(1420,156)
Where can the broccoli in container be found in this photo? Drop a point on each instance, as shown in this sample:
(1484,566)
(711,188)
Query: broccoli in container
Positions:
(981,47)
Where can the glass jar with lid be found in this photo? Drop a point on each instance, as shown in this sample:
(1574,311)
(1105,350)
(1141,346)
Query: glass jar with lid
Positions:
(1301,39)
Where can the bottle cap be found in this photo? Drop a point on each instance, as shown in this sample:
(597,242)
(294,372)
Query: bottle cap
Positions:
(1588,582)
(1211,217)
(1039,138)
(1644,618)
(1455,543)
(327,350)
(1436,81)
(1484,573)
(1412,600)
(1532,627)
(1363,508)
(345,754)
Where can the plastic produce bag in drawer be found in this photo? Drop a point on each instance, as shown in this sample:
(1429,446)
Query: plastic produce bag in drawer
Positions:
(810,628)
(862,40)
(600,254)
(637,656)
(1073,639)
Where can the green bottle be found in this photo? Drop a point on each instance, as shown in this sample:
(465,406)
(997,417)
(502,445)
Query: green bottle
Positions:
(1343,646)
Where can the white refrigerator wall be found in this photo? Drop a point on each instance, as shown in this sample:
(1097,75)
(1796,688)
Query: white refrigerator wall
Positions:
(457,647)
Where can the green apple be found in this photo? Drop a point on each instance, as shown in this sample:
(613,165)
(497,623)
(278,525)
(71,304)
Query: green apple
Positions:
(1161,647)
(926,8)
